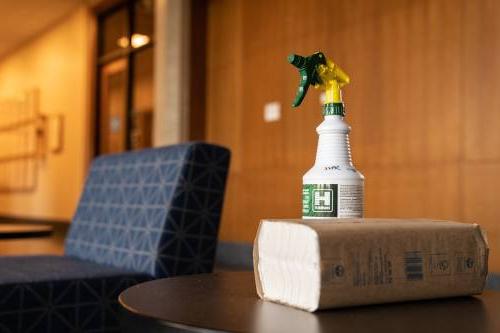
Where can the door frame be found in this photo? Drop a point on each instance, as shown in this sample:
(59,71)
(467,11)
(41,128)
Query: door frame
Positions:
(126,53)
(196,90)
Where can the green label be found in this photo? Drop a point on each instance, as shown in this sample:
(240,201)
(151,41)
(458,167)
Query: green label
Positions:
(319,200)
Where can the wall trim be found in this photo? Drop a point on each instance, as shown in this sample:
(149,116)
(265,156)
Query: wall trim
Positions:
(234,255)
(493,281)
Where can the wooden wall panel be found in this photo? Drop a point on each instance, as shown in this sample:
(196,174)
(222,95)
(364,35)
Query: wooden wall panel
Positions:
(481,111)
(481,72)
(422,104)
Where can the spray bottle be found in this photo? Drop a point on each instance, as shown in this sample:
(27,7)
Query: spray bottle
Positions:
(332,187)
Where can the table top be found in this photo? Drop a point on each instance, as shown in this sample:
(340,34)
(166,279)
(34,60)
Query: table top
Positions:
(14,230)
(227,301)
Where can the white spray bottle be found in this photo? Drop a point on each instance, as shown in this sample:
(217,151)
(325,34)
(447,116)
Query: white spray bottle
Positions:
(332,187)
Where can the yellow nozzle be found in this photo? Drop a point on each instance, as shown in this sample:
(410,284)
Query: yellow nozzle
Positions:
(332,79)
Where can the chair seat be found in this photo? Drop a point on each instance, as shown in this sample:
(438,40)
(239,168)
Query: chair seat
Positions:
(60,294)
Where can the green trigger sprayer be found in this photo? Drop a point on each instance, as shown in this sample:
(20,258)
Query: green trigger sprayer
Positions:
(332,187)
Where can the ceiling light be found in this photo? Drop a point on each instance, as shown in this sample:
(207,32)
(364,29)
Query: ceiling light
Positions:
(139,40)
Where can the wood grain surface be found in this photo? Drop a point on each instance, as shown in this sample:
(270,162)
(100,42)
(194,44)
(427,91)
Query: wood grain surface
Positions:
(423,105)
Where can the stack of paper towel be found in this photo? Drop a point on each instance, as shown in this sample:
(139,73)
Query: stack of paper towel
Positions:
(315,264)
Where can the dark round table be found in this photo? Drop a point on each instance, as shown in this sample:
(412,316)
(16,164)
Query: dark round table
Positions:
(227,302)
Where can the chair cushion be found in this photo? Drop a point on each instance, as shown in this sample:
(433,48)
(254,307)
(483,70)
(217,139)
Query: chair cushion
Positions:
(60,294)
(155,211)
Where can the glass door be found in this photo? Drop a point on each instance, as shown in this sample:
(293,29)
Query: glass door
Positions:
(125,77)
(113,107)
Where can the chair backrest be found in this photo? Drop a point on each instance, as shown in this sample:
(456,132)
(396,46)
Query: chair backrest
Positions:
(155,211)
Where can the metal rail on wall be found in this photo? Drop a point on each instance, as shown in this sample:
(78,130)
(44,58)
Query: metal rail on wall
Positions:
(24,141)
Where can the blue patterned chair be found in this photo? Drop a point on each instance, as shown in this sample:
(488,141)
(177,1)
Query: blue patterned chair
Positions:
(142,215)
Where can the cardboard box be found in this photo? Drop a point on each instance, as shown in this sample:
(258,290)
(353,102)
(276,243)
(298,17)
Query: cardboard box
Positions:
(318,264)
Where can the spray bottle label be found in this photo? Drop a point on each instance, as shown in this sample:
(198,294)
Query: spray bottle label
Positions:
(332,200)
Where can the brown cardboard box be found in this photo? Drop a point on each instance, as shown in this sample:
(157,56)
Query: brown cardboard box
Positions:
(317,264)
